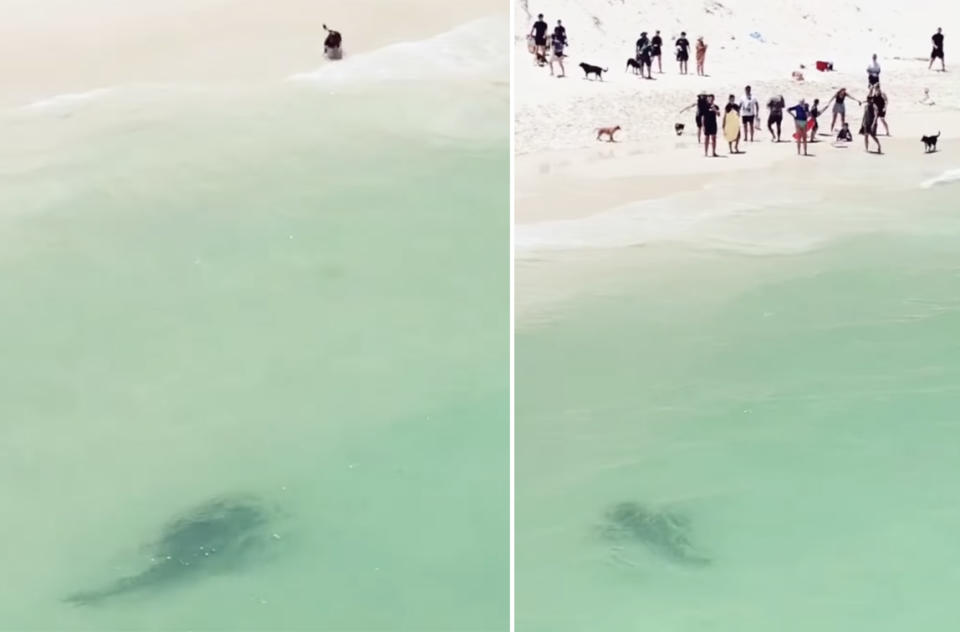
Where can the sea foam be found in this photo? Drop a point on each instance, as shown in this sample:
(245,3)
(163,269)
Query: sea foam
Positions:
(474,50)
(947,177)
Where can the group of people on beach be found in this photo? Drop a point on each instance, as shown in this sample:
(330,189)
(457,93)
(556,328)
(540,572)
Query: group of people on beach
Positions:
(710,118)
(649,49)
(538,41)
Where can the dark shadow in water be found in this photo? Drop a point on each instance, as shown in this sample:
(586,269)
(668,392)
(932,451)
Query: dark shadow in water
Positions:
(220,536)
(666,533)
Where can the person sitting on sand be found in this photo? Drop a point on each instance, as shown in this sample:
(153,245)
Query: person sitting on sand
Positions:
(332,43)
(701,106)
(869,125)
(734,145)
(776,105)
(556,56)
(937,52)
(710,115)
(927,99)
(701,56)
(539,32)
(839,107)
(656,51)
(749,110)
(800,113)
(683,52)
(844,135)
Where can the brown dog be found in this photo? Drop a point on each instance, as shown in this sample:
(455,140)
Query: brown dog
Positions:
(609,131)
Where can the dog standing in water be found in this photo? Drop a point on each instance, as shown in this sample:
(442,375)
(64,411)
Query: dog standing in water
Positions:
(332,44)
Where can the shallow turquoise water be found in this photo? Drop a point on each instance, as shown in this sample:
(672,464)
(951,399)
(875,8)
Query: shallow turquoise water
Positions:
(795,416)
(292,293)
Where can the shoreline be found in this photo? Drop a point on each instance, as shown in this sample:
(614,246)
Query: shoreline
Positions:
(68,50)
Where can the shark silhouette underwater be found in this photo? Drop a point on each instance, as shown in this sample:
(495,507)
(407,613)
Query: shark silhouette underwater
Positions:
(220,536)
(666,533)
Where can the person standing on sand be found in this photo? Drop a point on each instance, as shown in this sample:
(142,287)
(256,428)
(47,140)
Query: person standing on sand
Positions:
(539,32)
(869,126)
(873,72)
(701,56)
(644,57)
(560,32)
(701,106)
(839,107)
(937,52)
(880,103)
(749,110)
(656,51)
(776,105)
(710,115)
(683,52)
(733,146)
(814,114)
(557,41)
(642,42)
(800,113)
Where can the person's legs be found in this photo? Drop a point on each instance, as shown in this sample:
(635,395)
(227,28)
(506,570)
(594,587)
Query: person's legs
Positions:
(770,128)
(660,64)
(833,122)
(714,145)
(886,128)
(779,130)
(563,71)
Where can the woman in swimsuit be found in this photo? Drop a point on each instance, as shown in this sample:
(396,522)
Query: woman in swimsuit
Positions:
(869,126)
(839,107)
(701,56)
(880,101)
(710,115)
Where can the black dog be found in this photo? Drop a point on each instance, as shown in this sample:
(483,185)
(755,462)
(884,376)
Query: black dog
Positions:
(929,143)
(589,69)
(678,128)
(632,63)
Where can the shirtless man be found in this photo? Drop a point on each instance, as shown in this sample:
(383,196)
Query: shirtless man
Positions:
(539,32)
(937,52)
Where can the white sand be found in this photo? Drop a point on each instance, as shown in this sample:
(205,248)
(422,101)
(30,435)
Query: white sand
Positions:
(563,172)
(57,47)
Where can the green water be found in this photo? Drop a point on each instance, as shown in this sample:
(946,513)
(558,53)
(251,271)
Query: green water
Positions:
(801,413)
(286,293)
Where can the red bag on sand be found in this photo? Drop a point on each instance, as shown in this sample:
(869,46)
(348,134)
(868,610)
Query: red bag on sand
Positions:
(824,65)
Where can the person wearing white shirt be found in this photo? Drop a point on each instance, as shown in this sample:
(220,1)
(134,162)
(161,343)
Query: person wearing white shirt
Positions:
(873,72)
(749,110)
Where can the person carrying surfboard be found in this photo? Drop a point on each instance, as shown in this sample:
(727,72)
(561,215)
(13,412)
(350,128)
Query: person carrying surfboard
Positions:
(332,44)
(801,114)
(731,124)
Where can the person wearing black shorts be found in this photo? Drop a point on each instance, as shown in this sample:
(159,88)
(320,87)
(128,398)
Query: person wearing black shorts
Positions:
(937,52)
(776,105)
(539,32)
(656,51)
(683,52)
(711,113)
(701,106)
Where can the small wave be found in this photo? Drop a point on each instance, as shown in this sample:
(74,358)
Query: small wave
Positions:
(472,50)
(947,177)
(68,100)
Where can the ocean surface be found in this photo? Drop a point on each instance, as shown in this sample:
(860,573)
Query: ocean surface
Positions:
(269,317)
(749,421)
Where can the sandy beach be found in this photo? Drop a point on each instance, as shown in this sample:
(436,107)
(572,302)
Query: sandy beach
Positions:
(563,172)
(55,47)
